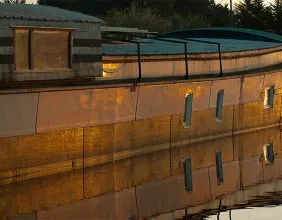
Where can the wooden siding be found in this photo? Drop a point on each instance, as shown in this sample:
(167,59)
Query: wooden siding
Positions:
(22,50)
(51,55)
(85,36)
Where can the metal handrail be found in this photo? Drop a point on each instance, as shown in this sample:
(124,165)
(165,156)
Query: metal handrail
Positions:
(157,39)
(200,41)
(207,42)
(138,51)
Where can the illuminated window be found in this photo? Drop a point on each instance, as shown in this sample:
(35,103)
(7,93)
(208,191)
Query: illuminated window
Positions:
(268,97)
(188,110)
(219,105)
(42,49)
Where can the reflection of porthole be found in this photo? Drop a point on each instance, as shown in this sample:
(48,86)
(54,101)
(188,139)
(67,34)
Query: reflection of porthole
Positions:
(219,105)
(268,153)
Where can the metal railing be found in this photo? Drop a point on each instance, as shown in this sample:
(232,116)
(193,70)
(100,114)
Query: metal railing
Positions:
(161,38)
(138,52)
(207,42)
(157,39)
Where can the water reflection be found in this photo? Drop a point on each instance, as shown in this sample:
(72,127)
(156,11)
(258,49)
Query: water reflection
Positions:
(262,202)
(151,185)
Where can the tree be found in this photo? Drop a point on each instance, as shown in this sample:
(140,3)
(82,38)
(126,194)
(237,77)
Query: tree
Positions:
(215,14)
(153,20)
(276,8)
(170,14)
(15,1)
(92,7)
(253,14)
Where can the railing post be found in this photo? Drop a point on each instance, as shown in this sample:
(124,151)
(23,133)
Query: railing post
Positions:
(138,52)
(186,61)
(158,39)
(139,62)
(220,61)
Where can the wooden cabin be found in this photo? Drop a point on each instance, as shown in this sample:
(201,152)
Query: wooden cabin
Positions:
(42,43)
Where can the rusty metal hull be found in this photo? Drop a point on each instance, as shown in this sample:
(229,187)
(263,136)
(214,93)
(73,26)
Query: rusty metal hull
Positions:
(87,142)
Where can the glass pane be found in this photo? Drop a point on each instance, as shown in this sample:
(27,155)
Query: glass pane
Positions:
(22,49)
(51,49)
(270,96)
(219,105)
(188,110)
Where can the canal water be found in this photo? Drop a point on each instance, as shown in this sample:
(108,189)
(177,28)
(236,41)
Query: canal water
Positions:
(261,202)
(250,188)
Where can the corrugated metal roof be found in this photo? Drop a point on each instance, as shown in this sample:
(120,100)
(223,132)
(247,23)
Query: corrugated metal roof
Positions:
(225,32)
(40,12)
(235,40)
(159,48)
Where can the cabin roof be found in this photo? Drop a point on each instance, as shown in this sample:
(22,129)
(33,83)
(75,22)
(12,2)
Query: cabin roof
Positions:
(42,12)
(230,39)
(228,33)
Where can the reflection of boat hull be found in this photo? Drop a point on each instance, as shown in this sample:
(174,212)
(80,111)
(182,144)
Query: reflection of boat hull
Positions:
(164,196)
(125,138)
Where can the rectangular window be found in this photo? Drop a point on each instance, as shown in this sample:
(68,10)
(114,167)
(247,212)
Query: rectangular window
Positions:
(219,105)
(268,97)
(188,110)
(42,49)
(268,153)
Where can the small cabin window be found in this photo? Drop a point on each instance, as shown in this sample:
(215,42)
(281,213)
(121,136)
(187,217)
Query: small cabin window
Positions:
(42,49)
(219,105)
(268,97)
(268,153)
(188,110)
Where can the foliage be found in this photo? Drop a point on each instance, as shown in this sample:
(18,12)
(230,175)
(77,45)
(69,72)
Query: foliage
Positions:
(253,14)
(276,8)
(152,19)
(166,15)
